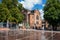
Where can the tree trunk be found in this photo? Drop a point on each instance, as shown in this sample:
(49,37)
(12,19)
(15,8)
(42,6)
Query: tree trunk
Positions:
(7,24)
(54,28)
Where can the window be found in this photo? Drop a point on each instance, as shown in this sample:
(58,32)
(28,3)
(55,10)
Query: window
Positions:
(37,22)
(43,22)
(37,17)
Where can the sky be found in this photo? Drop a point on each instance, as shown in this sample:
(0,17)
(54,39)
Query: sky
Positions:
(0,0)
(34,4)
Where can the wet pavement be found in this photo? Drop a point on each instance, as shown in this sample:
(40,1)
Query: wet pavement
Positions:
(29,35)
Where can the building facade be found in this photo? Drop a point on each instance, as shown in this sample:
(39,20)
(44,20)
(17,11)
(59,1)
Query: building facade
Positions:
(33,18)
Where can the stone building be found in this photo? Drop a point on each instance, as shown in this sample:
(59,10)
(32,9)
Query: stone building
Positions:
(33,18)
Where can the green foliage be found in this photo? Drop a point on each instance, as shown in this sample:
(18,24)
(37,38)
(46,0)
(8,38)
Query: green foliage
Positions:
(15,2)
(8,3)
(4,13)
(17,16)
(9,10)
(52,12)
(20,6)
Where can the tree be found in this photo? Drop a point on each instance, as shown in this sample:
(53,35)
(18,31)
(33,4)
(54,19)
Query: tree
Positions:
(15,2)
(52,13)
(15,15)
(8,3)
(20,7)
(4,13)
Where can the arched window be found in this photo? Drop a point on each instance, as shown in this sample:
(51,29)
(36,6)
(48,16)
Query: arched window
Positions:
(37,17)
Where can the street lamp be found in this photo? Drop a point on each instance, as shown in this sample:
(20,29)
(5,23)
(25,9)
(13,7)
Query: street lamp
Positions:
(34,26)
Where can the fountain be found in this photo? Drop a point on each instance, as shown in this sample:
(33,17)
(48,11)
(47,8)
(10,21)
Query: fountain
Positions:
(43,36)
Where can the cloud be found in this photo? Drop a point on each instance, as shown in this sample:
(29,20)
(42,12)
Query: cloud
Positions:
(29,4)
(43,5)
(42,13)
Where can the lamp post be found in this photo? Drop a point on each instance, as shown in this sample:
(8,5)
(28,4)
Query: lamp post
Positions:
(43,32)
(7,24)
(34,26)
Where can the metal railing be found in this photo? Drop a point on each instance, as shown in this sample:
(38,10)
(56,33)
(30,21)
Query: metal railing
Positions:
(29,34)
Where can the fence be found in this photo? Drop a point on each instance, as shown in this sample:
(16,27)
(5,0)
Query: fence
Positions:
(29,34)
